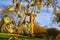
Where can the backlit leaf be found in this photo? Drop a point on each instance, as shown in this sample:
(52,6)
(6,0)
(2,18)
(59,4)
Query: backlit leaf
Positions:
(20,15)
(6,19)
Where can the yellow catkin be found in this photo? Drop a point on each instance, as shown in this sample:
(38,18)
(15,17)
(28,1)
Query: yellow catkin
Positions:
(40,2)
(11,9)
(6,19)
(26,10)
(54,9)
(19,6)
(34,4)
(48,3)
(40,6)
(20,15)
(13,1)
(10,28)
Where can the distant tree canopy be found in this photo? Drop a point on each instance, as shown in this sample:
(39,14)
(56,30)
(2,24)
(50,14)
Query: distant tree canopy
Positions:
(53,32)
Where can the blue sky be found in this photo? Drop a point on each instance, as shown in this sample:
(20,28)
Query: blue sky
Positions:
(43,18)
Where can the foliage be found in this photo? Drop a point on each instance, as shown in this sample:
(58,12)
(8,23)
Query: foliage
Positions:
(4,35)
(58,17)
(58,37)
(39,31)
(52,32)
(22,12)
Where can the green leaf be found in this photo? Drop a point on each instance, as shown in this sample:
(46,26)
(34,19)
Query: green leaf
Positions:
(37,12)
(5,35)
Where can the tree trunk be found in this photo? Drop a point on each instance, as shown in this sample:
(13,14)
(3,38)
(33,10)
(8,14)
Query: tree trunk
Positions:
(32,24)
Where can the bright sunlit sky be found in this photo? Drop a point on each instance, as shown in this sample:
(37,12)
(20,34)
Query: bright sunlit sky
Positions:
(43,18)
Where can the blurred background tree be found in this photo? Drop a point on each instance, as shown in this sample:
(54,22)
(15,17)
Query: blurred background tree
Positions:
(52,33)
